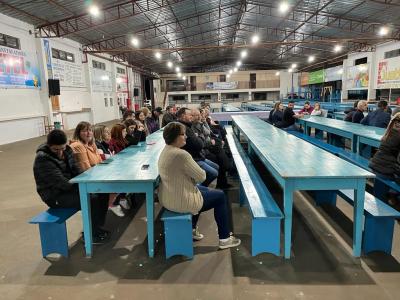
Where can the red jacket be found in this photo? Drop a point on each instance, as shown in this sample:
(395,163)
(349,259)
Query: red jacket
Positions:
(116,146)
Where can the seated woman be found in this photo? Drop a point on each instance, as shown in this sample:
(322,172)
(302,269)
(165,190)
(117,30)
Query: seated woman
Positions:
(118,141)
(317,111)
(179,190)
(276,115)
(102,137)
(141,120)
(386,161)
(133,133)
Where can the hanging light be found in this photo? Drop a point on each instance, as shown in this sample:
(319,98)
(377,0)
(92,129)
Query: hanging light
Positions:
(238,63)
(170,64)
(158,55)
(311,58)
(283,7)
(255,39)
(94,10)
(277,73)
(235,69)
(177,69)
(294,66)
(135,42)
(383,31)
(338,48)
(243,54)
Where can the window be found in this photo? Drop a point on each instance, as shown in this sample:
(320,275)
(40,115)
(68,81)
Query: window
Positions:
(62,55)
(178,98)
(120,70)
(111,102)
(9,41)
(98,65)
(222,78)
(106,102)
(393,53)
(205,97)
(361,61)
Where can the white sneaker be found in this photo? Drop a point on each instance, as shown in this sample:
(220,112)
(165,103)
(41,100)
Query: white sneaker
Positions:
(116,209)
(125,204)
(197,236)
(229,242)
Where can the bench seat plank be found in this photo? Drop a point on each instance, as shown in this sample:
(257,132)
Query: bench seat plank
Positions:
(54,215)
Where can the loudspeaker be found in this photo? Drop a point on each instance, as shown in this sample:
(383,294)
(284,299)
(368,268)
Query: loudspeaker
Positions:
(135,92)
(54,87)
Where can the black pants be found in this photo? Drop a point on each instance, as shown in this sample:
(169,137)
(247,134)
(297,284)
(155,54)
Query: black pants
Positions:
(219,157)
(70,199)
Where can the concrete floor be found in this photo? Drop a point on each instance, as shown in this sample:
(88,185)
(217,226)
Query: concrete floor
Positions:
(322,266)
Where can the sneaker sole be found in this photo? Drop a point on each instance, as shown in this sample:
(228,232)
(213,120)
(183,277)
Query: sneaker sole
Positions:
(229,246)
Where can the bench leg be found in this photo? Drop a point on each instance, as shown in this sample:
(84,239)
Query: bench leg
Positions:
(378,234)
(178,238)
(53,238)
(324,197)
(266,236)
(242,195)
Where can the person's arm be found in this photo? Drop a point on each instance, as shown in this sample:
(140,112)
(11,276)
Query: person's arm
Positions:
(192,169)
(81,156)
(365,120)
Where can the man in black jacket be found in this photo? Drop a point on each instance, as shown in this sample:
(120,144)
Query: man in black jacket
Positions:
(54,166)
(379,117)
(195,145)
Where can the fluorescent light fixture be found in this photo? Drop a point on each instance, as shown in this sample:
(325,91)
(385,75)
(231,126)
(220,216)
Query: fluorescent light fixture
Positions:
(255,39)
(170,64)
(383,31)
(177,69)
(235,69)
(230,71)
(135,42)
(294,66)
(277,73)
(243,54)
(157,55)
(94,10)
(338,48)
(184,77)
(311,58)
(179,74)
(228,76)
(283,7)
(238,63)
(290,70)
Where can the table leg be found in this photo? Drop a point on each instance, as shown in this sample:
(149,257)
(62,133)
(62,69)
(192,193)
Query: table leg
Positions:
(354,142)
(86,219)
(288,209)
(150,218)
(359,196)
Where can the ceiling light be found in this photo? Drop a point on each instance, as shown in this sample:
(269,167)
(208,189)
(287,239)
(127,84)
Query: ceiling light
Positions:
(94,10)
(228,76)
(243,54)
(277,73)
(179,74)
(383,31)
(340,71)
(238,63)
(283,7)
(255,39)
(157,55)
(235,69)
(177,69)
(290,70)
(311,58)
(169,64)
(135,42)
(230,71)
(184,77)
(338,48)
(294,66)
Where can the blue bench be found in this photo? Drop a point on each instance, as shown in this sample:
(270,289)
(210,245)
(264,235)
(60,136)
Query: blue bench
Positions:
(53,230)
(178,233)
(266,215)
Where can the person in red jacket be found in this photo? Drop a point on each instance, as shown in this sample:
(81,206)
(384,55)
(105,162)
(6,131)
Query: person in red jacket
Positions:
(118,141)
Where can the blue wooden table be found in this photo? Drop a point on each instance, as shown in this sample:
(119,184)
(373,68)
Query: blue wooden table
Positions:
(124,174)
(299,165)
(357,133)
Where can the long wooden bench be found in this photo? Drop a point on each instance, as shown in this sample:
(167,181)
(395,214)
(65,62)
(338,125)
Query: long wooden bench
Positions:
(53,230)
(379,217)
(266,215)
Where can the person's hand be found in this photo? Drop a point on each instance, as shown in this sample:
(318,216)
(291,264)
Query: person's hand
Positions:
(99,151)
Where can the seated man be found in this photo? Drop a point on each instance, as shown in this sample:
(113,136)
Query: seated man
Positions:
(169,116)
(54,166)
(307,109)
(289,118)
(379,117)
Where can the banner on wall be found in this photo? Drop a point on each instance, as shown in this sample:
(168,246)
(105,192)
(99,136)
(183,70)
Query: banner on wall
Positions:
(304,78)
(316,77)
(333,74)
(121,83)
(357,76)
(389,74)
(18,69)
(70,74)
(101,80)
(231,85)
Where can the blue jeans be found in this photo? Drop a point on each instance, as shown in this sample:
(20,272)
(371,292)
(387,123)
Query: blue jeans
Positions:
(215,199)
(293,127)
(211,169)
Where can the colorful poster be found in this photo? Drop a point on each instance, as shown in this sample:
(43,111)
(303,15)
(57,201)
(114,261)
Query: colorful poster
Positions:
(389,73)
(230,85)
(357,77)
(304,78)
(47,53)
(121,83)
(70,74)
(316,77)
(101,80)
(333,74)
(18,69)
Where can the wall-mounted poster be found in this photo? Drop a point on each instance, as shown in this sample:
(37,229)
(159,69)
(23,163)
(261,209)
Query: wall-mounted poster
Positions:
(230,85)
(333,74)
(304,78)
(316,77)
(357,76)
(101,80)
(18,69)
(70,74)
(389,73)
(121,83)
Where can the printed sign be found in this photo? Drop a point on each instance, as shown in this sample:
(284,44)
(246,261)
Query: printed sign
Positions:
(357,76)
(231,85)
(18,69)
(70,74)
(101,80)
(389,74)
(316,77)
(121,81)
(333,74)
(304,78)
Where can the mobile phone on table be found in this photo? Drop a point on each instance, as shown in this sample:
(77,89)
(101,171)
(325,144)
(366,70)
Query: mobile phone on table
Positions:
(145,167)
